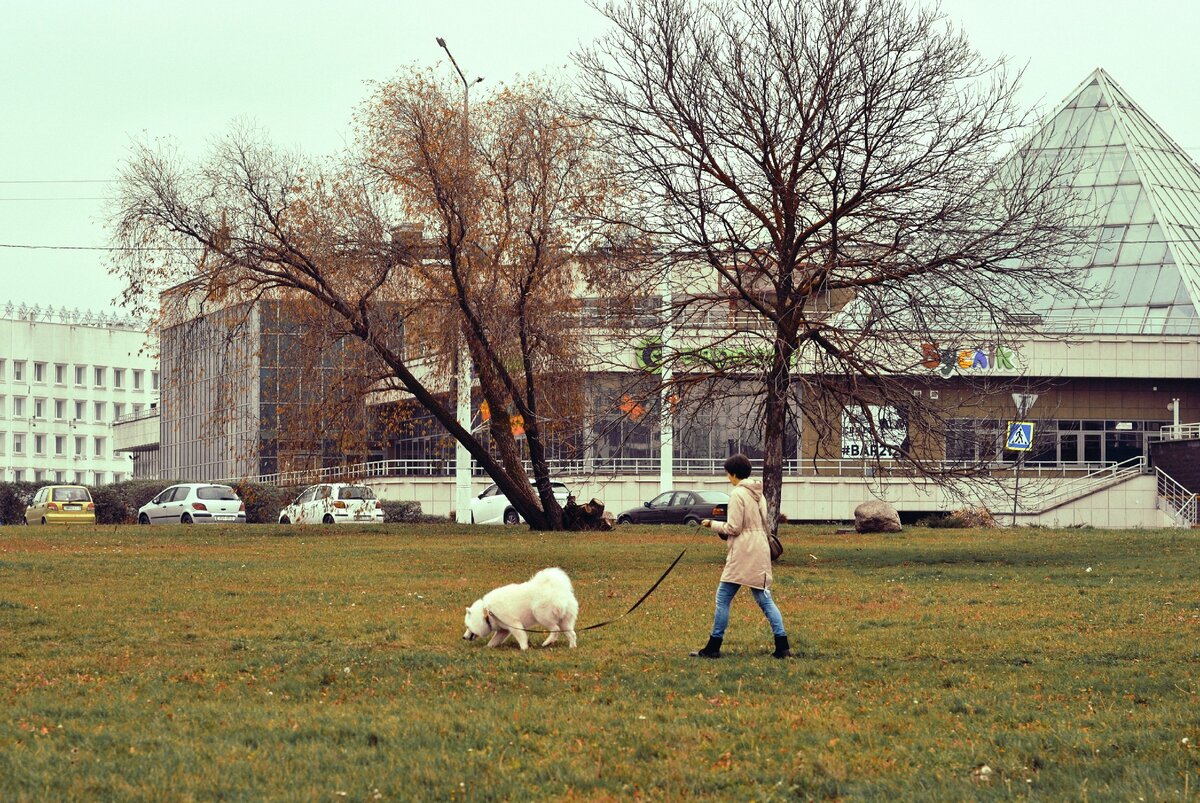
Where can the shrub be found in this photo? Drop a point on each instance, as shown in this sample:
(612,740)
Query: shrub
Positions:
(947,520)
(115,504)
(409,512)
(975,517)
(118,502)
(14,498)
(263,502)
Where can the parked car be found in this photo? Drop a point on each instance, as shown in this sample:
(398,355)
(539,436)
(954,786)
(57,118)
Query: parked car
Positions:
(194,503)
(492,507)
(61,504)
(334,503)
(679,507)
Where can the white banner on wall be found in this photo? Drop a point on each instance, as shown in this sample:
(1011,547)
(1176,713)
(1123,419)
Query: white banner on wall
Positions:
(891,431)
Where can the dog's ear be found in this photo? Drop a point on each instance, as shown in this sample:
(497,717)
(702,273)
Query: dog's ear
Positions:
(467,609)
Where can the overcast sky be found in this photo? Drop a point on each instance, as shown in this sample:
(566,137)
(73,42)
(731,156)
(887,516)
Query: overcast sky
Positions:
(80,80)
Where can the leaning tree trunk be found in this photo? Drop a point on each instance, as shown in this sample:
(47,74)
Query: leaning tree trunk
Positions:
(521,495)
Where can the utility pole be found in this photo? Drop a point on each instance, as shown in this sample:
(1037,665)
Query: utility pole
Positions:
(462,457)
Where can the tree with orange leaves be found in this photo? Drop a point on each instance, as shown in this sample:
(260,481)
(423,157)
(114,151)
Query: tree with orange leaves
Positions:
(426,234)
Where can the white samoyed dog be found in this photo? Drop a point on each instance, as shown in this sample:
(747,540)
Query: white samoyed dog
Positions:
(545,602)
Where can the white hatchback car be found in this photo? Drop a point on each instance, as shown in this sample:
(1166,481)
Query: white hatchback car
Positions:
(492,507)
(194,503)
(334,503)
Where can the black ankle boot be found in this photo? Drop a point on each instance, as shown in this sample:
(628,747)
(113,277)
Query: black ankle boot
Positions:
(782,649)
(711,650)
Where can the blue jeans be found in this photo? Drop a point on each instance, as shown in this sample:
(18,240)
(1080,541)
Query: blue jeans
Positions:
(762,596)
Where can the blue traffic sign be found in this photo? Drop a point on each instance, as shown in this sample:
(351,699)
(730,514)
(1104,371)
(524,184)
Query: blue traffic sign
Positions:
(1020,436)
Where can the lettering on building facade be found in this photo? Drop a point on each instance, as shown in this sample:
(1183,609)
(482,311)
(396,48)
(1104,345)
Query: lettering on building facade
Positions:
(978,359)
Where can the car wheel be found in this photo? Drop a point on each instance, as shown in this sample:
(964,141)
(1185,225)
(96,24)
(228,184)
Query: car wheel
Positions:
(327,520)
(511,517)
(143,519)
(692,521)
(284,520)
(185,519)
(624,520)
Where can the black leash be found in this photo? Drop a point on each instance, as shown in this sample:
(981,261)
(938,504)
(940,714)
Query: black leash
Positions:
(633,608)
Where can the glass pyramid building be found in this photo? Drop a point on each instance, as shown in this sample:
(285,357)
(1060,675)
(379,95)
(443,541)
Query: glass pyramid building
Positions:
(1143,193)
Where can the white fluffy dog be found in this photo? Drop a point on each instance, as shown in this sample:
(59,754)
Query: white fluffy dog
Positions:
(545,602)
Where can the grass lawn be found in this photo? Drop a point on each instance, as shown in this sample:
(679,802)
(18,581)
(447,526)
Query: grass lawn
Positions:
(278,663)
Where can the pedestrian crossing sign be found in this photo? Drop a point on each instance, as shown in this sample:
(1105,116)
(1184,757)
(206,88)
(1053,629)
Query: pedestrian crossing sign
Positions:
(1020,436)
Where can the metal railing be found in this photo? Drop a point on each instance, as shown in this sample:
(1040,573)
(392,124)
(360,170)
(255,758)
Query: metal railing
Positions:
(1080,473)
(719,316)
(140,415)
(1176,501)
(1093,481)
(1180,432)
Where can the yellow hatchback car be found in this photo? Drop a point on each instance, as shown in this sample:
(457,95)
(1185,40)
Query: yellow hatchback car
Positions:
(61,504)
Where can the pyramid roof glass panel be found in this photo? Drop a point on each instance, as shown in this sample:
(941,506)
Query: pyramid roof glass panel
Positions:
(1143,193)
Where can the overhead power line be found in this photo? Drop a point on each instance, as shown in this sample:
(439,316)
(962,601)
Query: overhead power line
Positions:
(85,248)
(73,198)
(58,181)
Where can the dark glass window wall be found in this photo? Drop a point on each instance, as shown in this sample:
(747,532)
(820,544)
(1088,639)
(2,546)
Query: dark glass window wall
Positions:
(1056,441)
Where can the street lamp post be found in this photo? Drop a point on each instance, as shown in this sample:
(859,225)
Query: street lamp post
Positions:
(666,439)
(462,457)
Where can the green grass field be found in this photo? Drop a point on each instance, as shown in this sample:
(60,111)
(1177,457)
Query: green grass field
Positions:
(276,663)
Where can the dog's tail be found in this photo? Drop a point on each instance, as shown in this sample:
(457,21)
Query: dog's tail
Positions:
(553,576)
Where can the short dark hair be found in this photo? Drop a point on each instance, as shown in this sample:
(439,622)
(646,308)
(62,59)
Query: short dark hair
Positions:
(739,466)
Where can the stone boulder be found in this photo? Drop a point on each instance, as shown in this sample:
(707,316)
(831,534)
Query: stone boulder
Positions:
(875,516)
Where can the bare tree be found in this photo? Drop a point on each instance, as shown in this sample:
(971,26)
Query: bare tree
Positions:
(424,236)
(834,167)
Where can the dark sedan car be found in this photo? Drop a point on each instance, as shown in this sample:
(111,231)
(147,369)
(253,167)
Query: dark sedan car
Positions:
(678,507)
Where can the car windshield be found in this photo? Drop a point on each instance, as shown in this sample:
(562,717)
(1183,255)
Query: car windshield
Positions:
(713,497)
(356,492)
(216,492)
(71,495)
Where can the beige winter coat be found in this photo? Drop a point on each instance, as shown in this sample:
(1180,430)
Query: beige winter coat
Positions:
(748,560)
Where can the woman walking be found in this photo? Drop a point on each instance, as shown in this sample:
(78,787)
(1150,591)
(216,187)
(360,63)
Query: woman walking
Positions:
(748,559)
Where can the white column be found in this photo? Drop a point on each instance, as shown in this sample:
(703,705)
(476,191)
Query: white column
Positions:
(462,458)
(666,438)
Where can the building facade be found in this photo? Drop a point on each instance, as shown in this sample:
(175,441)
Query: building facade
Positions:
(1111,371)
(1104,376)
(65,378)
(251,390)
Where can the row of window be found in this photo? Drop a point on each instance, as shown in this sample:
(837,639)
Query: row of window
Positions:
(92,478)
(64,409)
(1054,441)
(44,373)
(62,445)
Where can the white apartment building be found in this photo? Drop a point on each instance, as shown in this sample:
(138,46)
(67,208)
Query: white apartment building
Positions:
(65,378)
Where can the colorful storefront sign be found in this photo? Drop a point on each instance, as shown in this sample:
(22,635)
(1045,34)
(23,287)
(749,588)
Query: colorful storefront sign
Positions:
(977,359)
